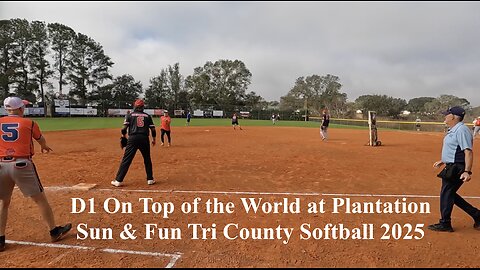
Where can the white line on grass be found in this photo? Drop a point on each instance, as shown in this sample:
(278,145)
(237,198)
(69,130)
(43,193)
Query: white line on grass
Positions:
(171,263)
(258,193)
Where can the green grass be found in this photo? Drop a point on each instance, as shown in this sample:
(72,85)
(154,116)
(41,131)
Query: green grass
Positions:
(79,123)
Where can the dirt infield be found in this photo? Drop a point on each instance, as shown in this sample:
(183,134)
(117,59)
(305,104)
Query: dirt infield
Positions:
(276,164)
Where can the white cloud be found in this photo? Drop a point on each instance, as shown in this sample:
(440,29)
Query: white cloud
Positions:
(402,49)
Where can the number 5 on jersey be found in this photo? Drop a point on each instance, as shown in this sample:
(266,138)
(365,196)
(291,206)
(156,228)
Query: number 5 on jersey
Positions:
(9,132)
(140,121)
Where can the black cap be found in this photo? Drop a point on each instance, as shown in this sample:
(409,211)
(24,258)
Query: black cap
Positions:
(455,111)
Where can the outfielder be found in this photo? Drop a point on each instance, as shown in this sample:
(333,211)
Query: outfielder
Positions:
(138,124)
(418,123)
(17,168)
(325,123)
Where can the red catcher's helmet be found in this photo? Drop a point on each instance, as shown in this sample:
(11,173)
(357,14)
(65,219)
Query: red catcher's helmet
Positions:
(139,103)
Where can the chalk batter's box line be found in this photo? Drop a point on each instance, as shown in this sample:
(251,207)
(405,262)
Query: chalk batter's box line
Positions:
(56,188)
(171,263)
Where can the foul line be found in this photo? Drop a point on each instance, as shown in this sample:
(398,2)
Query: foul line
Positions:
(258,193)
(171,263)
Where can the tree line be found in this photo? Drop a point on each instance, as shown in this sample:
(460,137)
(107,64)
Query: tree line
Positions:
(314,93)
(33,54)
(40,62)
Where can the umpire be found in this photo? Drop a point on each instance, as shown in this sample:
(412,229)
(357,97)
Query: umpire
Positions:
(138,124)
(457,155)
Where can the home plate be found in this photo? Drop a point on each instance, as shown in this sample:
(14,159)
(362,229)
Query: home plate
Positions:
(84,186)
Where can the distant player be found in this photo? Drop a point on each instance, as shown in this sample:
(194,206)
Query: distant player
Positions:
(274,118)
(324,125)
(165,127)
(189,116)
(235,121)
(476,127)
(139,125)
(417,123)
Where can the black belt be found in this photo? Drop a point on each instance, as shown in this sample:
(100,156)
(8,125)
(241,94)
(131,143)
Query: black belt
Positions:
(14,158)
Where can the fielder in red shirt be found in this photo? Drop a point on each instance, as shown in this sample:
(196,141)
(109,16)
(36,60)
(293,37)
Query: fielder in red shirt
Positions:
(165,127)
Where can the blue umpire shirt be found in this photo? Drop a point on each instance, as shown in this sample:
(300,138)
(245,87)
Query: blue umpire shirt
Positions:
(457,139)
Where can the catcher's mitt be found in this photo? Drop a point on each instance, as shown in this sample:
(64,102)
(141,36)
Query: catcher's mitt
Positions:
(123,142)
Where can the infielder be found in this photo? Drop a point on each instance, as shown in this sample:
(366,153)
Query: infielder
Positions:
(138,124)
(165,127)
(235,121)
(324,126)
(274,118)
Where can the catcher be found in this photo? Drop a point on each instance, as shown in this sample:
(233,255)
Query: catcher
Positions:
(139,124)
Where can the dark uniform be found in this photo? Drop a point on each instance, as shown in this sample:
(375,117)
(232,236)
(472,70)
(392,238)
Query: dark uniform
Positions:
(235,121)
(325,120)
(189,116)
(138,124)
(324,126)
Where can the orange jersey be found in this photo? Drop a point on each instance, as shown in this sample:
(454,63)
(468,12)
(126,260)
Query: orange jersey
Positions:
(16,135)
(166,122)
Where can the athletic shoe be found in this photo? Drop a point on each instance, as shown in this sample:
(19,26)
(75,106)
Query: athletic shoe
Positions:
(150,182)
(59,231)
(439,227)
(2,243)
(168,145)
(161,144)
(116,183)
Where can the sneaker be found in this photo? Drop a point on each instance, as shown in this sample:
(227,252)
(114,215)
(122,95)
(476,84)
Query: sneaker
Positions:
(150,182)
(439,227)
(59,231)
(116,183)
(2,243)
(161,144)
(168,145)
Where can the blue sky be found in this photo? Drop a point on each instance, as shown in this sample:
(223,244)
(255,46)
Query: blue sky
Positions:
(401,49)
